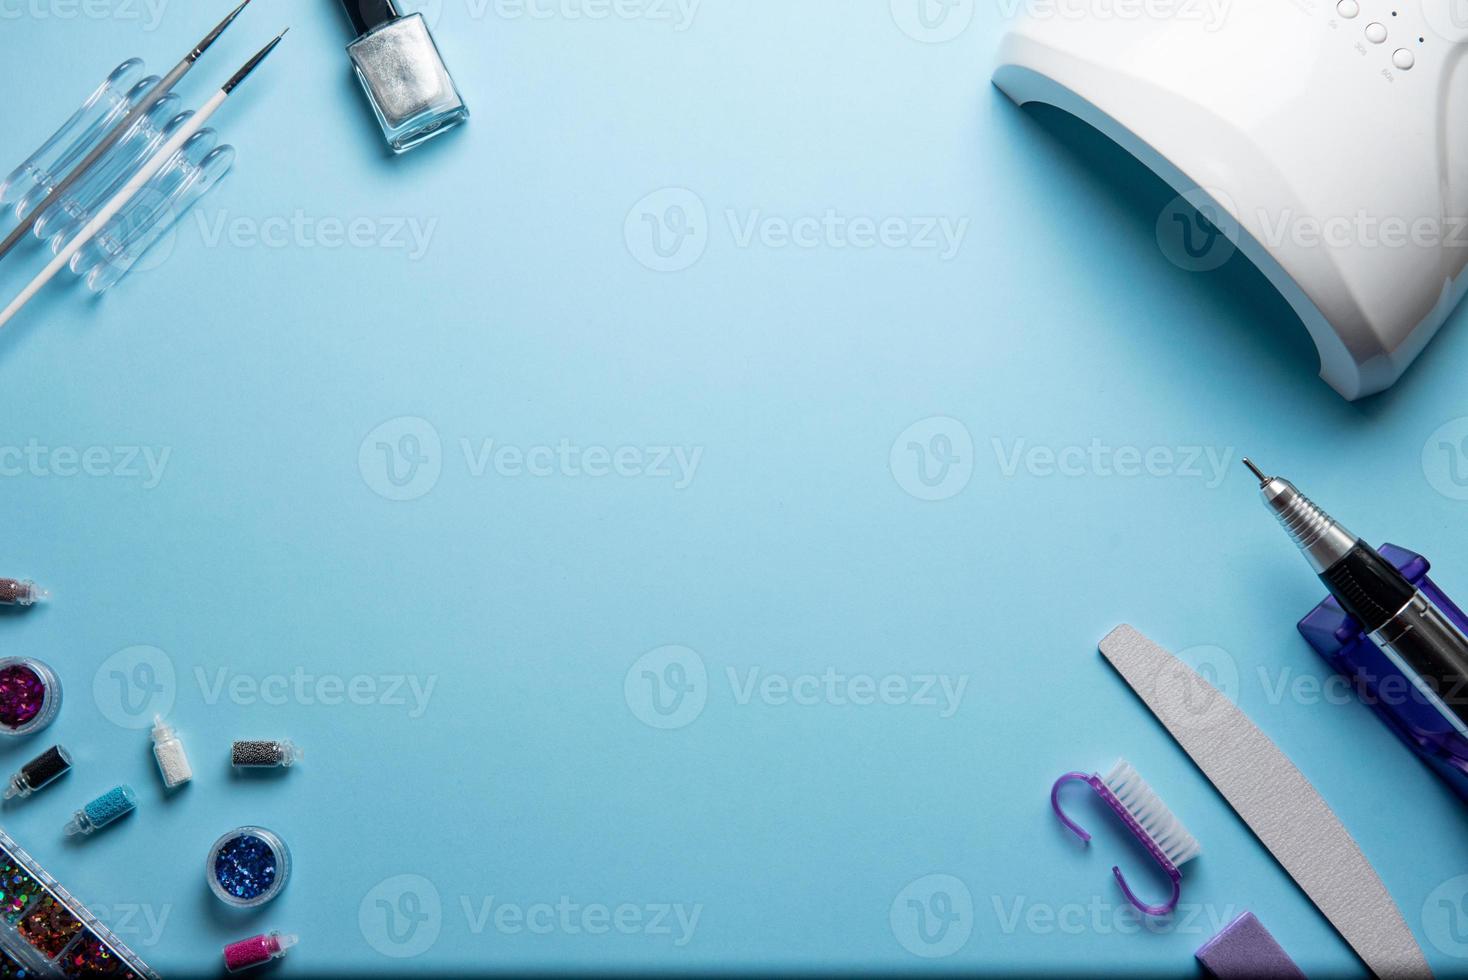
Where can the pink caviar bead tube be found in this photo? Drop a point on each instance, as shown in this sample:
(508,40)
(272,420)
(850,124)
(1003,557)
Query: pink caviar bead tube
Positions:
(256,950)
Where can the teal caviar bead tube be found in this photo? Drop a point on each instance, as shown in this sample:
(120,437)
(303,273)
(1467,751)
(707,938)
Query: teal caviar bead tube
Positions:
(116,802)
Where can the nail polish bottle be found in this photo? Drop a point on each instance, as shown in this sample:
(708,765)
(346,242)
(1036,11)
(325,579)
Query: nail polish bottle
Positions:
(402,73)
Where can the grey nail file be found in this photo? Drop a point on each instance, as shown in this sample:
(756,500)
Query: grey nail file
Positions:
(1274,799)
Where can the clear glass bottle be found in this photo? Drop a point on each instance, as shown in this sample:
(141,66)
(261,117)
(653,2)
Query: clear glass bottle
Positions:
(168,750)
(403,74)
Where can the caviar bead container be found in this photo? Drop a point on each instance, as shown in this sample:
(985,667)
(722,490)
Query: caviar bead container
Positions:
(257,950)
(30,695)
(261,753)
(112,805)
(152,214)
(40,772)
(248,867)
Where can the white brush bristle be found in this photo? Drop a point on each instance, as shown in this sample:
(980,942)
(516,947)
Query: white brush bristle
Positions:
(1166,830)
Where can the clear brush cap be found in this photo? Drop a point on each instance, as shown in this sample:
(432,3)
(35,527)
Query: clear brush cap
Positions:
(152,214)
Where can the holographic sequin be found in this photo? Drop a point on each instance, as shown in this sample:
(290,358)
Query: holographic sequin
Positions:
(16,890)
(49,926)
(90,957)
(246,867)
(21,693)
(11,969)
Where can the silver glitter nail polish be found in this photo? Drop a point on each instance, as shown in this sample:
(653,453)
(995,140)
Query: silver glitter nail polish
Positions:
(401,71)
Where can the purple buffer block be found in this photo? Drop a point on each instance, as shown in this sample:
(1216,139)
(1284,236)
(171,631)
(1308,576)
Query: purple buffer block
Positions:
(1382,685)
(1245,950)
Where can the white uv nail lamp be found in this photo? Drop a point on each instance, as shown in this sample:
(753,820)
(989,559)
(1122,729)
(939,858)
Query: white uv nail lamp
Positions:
(1331,135)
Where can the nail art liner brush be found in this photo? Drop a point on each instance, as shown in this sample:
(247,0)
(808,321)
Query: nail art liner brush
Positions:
(130,190)
(154,96)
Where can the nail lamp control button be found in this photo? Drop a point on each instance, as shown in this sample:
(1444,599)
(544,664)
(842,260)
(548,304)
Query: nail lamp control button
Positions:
(1404,59)
(1348,9)
(1375,33)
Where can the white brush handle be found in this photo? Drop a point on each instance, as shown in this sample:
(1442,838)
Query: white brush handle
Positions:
(119,201)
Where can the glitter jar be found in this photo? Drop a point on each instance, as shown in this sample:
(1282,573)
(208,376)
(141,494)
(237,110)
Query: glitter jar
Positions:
(248,866)
(30,695)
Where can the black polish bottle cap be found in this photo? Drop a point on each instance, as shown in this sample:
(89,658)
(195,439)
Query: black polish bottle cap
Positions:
(368,15)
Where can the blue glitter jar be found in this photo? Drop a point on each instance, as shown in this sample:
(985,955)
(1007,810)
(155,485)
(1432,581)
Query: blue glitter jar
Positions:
(248,866)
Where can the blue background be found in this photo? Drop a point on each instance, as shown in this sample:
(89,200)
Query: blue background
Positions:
(266,548)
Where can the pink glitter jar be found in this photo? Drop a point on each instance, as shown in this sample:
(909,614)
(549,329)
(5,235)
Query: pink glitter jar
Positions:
(30,695)
(256,950)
